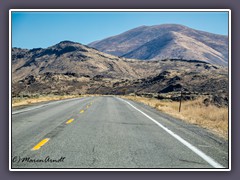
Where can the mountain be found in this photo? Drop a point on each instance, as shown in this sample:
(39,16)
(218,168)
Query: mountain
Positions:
(72,68)
(69,57)
(167,41)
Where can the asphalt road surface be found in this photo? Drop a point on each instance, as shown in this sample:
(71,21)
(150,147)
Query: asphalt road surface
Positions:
(109,132)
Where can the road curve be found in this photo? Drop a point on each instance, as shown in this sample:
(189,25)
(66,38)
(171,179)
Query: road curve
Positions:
(109,132)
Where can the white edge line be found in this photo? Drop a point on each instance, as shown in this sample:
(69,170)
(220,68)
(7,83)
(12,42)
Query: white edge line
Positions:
(43,105)
(201,154)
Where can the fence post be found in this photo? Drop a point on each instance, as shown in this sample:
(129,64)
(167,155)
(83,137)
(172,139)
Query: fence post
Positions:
(180,101)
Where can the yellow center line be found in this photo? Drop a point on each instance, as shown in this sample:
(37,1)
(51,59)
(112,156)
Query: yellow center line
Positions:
(82,111)
(69,121)
(40,144)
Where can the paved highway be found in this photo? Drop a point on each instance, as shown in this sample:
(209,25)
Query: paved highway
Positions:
(109,132)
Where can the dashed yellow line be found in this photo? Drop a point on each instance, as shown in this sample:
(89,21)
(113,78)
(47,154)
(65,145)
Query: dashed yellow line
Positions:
(69,121)
(82,111)
(40,144)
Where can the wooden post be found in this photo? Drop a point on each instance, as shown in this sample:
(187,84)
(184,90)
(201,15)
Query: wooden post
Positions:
(180,101)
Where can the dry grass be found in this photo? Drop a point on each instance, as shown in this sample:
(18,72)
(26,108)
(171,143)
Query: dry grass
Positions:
(195,112)
(26,101)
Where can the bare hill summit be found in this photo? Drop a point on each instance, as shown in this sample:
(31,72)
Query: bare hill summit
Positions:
(167,41)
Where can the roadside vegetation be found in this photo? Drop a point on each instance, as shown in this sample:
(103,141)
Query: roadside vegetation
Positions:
(21,101)
(196,112)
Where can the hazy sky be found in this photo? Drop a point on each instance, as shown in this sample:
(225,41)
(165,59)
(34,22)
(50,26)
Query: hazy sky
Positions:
(43,29)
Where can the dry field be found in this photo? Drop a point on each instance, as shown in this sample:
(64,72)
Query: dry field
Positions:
(195,112)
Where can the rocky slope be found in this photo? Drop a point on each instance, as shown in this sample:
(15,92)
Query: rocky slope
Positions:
(167,41)
(72,68)
(75,59)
